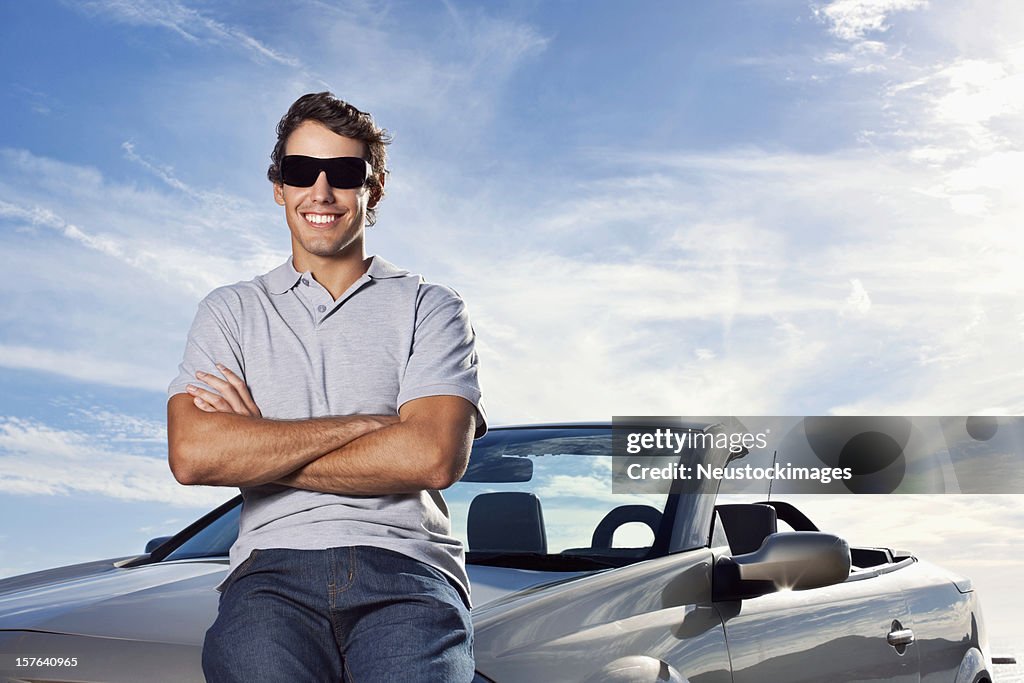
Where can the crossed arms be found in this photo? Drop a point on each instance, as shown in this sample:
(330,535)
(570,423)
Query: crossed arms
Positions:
(221,439)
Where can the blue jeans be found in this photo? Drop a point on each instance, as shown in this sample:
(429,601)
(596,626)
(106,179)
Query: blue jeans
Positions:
(356,614)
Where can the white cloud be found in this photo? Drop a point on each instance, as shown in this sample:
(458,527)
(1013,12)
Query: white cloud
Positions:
(161,235)
(158,528)
(852,19)
(970,104)
(132,266)
(85,366)
(862,43)
(858,301)
(454,73)
(187,23)
(38,459)
(753,258)
(106,244)
(122,428)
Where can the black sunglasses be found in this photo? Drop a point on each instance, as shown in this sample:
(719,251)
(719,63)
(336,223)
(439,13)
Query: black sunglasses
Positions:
(343,173)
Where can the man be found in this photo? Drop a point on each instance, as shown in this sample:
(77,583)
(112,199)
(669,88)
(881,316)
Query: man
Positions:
(339,393)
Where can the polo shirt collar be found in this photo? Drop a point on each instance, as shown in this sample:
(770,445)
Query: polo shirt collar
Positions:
(284,277)
(380,269)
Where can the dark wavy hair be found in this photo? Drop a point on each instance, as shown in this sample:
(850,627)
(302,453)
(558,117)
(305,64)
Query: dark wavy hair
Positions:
(344,119)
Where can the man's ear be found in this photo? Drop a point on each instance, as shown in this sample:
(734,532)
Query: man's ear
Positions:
(279,193)
(377,191)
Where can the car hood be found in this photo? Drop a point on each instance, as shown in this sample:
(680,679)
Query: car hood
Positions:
(172,602)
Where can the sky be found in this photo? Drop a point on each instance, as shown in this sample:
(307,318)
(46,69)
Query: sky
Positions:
(757,207)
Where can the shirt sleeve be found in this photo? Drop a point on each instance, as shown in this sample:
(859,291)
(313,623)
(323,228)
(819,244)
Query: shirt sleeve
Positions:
(212,339)
(443,360)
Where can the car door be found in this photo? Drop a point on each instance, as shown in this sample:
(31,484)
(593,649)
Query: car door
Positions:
(945,620)
(839,633)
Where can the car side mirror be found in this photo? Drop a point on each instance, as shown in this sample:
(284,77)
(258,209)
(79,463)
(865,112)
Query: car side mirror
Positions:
(156,543)
(798,560)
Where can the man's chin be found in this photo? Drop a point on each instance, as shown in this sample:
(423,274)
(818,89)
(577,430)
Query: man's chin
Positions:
(328,249)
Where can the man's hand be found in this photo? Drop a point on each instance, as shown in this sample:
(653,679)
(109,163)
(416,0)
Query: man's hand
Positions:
(232,396)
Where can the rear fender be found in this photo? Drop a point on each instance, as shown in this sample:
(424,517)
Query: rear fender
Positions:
(973,668)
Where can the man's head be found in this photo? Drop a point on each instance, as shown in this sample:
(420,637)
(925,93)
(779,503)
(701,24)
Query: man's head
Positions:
(345,120)
(328,173)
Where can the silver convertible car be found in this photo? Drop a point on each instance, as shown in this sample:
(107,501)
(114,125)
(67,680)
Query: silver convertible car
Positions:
(572,580)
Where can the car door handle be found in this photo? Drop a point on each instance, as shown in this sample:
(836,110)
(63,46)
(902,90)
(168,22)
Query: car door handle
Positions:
(902,637)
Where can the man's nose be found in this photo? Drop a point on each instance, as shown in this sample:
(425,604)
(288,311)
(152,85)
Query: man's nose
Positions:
(322,190)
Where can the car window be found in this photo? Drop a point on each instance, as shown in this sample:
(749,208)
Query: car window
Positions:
(548,491)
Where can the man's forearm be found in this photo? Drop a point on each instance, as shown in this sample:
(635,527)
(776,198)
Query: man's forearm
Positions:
(401,458)
(223,449)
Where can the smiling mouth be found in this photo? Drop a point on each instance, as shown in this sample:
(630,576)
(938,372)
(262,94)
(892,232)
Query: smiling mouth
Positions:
(320,220)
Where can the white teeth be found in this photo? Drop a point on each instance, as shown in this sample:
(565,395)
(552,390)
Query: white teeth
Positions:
(320,218)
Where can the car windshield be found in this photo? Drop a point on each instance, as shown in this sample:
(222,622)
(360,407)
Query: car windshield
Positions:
(531,497)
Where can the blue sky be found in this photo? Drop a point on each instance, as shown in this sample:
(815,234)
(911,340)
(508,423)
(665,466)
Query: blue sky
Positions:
(687,208)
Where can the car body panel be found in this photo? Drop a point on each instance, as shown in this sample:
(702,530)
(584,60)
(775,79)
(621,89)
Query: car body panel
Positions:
(660,609)
(99,660)
(945,621)
(179,597)
(835,633)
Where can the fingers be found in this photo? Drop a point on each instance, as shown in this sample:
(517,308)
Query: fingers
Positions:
(242,390)
(226,391)
(203,405)
(212,399)
(229,395)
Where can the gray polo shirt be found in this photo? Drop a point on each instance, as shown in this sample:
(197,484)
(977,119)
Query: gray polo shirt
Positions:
(389,339)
